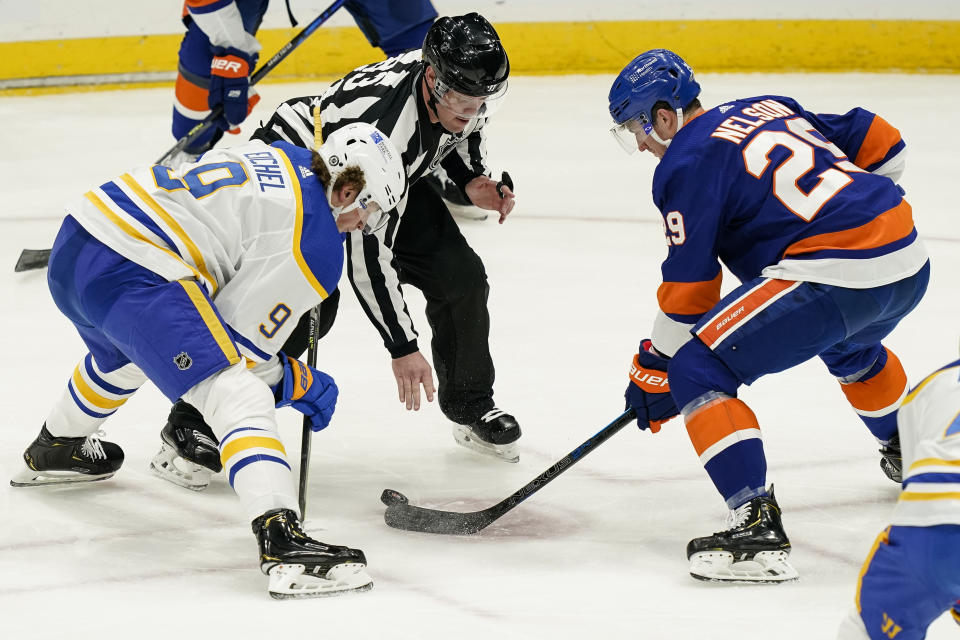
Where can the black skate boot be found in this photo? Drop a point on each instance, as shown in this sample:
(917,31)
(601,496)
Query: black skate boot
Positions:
(189,455)
(53,460)
(754,547)
(301,567)
(495,433)
(892,460)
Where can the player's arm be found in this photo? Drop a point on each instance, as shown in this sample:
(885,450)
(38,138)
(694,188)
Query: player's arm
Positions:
(466,166)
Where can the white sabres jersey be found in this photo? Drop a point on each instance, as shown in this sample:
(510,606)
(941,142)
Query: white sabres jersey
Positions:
(929,425)
(251,224)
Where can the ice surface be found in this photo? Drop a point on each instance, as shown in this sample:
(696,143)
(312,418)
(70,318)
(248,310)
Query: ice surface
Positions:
(600,552)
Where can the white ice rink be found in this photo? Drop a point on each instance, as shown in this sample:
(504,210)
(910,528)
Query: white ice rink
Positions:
(600,553)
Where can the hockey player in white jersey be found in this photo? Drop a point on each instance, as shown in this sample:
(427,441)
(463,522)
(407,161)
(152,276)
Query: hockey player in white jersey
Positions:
(190,279)
(912,574)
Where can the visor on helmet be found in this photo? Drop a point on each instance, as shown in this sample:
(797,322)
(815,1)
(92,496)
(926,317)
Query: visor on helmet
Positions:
(465,106)
(631,134)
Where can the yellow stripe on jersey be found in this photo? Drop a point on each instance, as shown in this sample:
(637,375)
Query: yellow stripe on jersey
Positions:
(211,320)
(92,396)
(934,462)
(923,383)
(298,229)
(132,232)
(250,442)
(940,495)
(175,227)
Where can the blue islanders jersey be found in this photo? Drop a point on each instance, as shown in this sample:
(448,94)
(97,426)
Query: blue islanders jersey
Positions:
(770,189)
(929,426)
(251,224)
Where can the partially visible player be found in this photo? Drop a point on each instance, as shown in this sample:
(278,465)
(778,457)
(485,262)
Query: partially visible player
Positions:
(804,210)
(189,278)
(219,52)
(912,574)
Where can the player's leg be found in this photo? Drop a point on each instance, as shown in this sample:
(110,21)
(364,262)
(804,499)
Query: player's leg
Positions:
(69,447)
(762,327)
(394,27)
(189,454)
(434,256)
(910,578)
(870,375)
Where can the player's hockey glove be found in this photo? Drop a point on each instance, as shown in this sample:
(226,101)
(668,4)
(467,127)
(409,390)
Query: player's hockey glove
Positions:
(230,84)
(311,392)
(649,390)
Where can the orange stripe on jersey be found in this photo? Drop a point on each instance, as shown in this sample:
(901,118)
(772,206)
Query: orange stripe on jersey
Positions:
(717,420)
(880,391)
(880,138)
(689,298)
(889,226)
(190,95)
(735,313)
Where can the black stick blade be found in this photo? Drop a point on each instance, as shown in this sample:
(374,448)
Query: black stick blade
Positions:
(410,518)
(32,259)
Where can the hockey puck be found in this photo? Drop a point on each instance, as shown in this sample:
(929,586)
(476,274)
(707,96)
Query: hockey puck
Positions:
(390,497)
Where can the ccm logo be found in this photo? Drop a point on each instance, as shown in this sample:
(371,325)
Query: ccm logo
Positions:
(226,65)
(645,380)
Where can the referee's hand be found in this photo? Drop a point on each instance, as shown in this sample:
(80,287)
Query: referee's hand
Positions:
(483,192)
(411,371)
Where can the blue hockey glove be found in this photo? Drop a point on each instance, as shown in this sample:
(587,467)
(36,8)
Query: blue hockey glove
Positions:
(649,390)
(229,84)
(311,392)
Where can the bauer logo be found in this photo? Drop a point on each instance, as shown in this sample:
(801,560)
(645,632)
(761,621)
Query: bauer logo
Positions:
(183,361)
(226,65)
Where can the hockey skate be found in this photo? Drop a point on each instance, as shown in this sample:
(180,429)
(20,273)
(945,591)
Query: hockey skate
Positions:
(892,460)
(494,434)
(190,454)
(753,548)
(53,460)
(301,567)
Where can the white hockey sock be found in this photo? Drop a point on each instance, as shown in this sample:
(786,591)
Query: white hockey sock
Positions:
(91,397)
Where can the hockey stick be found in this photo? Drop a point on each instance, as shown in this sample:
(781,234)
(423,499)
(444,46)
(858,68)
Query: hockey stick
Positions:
(267,67)
(37,258)
(307,437)
(32,259)
(400,514)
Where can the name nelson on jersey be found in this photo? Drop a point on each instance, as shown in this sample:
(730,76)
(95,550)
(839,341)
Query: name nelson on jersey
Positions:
(735,129)
(267,168)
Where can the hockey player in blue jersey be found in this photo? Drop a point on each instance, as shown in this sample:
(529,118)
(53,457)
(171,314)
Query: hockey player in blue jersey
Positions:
(190,278)
(218,54)
(804,210)
(912,574)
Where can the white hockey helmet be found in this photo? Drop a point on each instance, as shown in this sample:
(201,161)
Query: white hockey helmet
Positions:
(362,145)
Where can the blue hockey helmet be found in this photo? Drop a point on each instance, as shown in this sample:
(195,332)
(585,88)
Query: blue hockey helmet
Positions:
(654,76)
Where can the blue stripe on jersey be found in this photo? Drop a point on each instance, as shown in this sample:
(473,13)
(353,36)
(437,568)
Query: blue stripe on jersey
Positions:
(921,478)
(121,200)
(905,241)
(103,384)
(238,430)
(209,8)
(894,150)
(241,339)
(257,457)
(83,407)
(684,318)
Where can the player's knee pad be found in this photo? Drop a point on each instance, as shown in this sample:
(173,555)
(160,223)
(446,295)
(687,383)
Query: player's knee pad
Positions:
(234,397)
(876,393)
(695,371)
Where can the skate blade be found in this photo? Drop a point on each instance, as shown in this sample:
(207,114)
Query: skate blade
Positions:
(30,478)
(169,466)
(765,567)
(465,438)
(288,581)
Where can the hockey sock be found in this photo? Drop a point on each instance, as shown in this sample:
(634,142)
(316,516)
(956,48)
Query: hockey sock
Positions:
(877,393)
(91,397)
(726,436)
(256,466)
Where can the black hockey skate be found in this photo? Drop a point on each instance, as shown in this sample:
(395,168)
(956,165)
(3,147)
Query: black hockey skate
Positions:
(53,460)
(495,433)
(892,460)
(301,567)
(754,547)
(190,452)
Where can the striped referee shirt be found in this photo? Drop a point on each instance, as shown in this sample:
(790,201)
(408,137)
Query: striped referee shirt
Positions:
(387,95)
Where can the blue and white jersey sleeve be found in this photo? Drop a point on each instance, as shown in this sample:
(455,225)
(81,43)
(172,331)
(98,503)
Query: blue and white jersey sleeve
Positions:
(222,23)
(929,426)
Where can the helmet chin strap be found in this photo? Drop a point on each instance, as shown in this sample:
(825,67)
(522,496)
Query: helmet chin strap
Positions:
(666,143)
(337,211)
